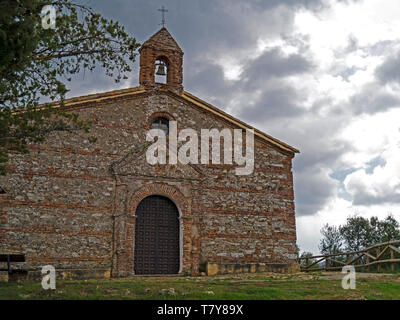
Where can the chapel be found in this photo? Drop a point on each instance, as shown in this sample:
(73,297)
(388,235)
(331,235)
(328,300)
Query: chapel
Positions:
(100,209)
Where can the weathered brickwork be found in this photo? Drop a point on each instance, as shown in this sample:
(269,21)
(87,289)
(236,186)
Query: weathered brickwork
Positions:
(169,52)
(71,203)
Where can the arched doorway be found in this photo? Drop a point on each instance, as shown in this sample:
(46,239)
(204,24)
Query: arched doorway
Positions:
(157,248)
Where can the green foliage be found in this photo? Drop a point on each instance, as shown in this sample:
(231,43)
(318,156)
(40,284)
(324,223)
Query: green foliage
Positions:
(332,240)
(35,64)
(358,233)
(384,231)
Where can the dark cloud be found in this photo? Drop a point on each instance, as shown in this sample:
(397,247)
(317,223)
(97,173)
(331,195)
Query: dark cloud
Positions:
(273,63)
(361,198)
(96,82)
(274,103)
(207,80)
(320,155)
(389,71)
(362,195)
(312,189)
(202,29)
(197,25)
(266,74)
(373,99)
(309,4)
(205,27)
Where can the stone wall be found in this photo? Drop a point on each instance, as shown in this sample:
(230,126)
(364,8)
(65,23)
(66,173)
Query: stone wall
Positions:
(213,269)
(64,205)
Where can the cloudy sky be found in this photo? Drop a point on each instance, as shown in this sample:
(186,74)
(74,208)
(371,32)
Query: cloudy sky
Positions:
(321,75)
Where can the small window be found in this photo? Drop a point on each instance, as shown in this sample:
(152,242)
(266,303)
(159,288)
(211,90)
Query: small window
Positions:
(161,123)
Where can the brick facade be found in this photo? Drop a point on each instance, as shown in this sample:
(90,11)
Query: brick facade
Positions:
(71,203)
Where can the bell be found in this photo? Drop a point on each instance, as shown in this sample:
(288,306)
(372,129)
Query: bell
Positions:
(161,70)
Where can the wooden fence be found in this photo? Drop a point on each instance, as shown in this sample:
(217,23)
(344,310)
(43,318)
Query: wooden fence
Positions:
(382,253)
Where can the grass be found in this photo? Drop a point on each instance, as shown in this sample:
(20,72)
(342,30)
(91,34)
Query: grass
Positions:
(297,287)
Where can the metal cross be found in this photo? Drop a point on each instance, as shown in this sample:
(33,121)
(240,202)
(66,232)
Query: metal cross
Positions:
(163,10)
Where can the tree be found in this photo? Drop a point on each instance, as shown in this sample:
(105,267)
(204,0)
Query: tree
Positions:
(357,233)
(36,62)
(331,241)
(386,230)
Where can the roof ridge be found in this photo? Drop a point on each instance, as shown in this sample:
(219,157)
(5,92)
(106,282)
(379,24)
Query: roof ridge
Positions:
(94,96)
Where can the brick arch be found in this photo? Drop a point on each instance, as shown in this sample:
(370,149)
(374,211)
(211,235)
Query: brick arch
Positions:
(166,61)
(162,190)
(126,233)
(161,113)
(176,196)
(163,57)
(148,57)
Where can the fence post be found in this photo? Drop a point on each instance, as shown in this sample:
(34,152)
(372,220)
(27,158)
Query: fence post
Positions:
(378,251)
(392,257)
(367,261)
(326,264)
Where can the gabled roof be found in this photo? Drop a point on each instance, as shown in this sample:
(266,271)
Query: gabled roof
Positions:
(162,40)
(135,91)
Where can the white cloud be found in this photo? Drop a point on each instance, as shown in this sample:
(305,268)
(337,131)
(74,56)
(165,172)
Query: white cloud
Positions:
(329,32)
(372,136)
(369,21)
(382,185)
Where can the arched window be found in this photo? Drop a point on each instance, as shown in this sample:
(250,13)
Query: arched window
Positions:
(161,71)
(161,123)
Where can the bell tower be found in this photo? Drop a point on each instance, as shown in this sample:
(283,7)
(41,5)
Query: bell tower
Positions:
(161,61)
